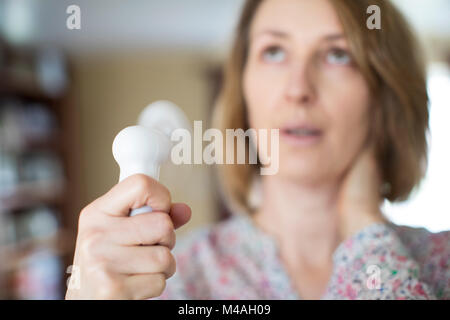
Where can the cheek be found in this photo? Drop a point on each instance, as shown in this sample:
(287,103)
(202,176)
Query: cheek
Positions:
(345,96)
(347,106)
(261,90)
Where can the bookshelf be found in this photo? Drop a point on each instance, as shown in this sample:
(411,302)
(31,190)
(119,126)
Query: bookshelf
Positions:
(39,188)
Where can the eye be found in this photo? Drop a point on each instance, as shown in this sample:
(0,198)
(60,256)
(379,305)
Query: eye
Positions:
(338,56)
(274,54)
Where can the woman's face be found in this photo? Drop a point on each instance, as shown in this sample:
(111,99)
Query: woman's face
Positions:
(300,78)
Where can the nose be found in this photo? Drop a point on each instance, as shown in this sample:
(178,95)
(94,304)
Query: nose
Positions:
(300,87)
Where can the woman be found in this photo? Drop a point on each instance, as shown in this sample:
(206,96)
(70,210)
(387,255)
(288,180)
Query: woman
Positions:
(351,106)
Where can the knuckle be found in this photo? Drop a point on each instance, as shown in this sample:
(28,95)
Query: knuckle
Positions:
(84,216)
(166,196)
(84,212)
(90,245)
(107,285)
(164,257)
(146,187)
(159,284)
(174,240)
(165,224)
(110,289)
(142,182)
(171,240)
(172,269)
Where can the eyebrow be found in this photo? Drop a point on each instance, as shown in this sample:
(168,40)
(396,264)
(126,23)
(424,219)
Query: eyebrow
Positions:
(281,34)
(276,33)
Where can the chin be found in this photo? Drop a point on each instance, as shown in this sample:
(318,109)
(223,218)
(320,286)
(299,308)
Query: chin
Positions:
(307,172)
(301,172)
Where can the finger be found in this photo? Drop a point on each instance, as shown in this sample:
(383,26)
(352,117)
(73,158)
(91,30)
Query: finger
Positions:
(180,214)
(134,192)
(145,286)
(146,229)
(140,260)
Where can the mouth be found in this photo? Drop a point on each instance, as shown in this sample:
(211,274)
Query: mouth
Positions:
(302,135)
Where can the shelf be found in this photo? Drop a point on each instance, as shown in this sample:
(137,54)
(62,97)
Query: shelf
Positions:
(21,86)
(51,143)
(19,81)
(12,255)
(32,194)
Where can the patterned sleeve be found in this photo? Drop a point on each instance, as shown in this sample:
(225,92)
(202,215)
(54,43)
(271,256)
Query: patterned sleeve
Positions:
(375,264)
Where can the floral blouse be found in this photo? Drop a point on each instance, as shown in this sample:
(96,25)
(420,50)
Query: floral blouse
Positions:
(234,259)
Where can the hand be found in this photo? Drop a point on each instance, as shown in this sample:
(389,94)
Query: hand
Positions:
(359,199)
(122,257)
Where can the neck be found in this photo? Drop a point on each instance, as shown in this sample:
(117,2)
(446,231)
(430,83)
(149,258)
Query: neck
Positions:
(302,218)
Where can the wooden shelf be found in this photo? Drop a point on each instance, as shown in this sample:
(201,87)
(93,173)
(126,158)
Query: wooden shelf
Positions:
(19,82)
(14,254)
(51,143)
(32,194)
(22,86)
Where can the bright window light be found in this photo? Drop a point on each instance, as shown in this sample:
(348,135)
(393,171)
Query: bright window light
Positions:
(429,206)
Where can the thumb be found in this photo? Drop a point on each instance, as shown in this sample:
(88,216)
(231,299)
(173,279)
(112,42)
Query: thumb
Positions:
(180,214)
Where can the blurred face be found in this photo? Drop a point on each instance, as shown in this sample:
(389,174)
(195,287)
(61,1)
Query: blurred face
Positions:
(300,78)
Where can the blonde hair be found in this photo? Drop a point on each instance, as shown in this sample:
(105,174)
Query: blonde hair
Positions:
(392,65)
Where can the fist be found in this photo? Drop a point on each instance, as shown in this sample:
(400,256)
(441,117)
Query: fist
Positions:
(122,257)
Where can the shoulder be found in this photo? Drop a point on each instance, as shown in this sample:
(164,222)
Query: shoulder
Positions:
(431,250)
(424,244)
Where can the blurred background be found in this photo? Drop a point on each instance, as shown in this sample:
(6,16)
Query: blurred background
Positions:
(65,94)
